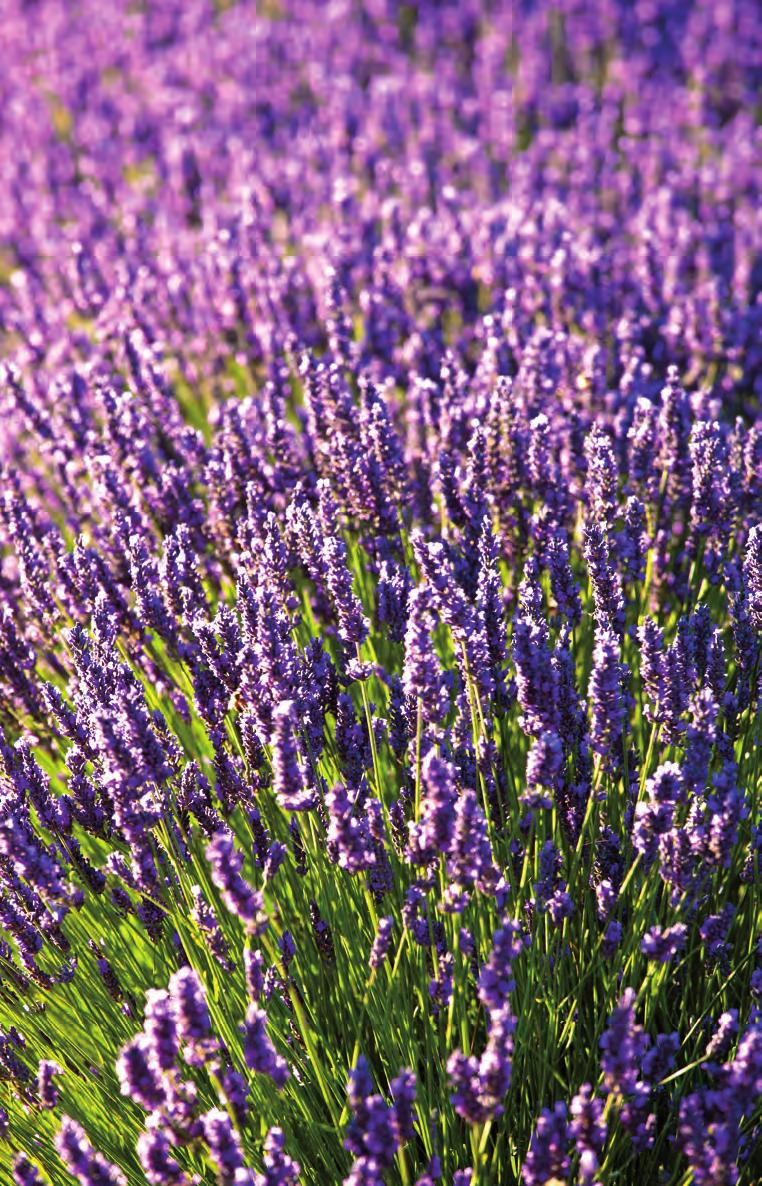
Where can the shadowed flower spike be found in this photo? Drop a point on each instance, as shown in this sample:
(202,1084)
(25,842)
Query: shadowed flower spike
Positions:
(258,1050)
(280,1169)
(609,698)
(25,1172)
(623,1045)
(289,773)
(157,1161)
(226,864)
(432,835)
(547,1159)
(608,600)
(224,1147)
(46,1090)
(87,1166)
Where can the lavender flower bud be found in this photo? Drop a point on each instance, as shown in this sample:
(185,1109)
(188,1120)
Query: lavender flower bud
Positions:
(258,1050)
(81,1160)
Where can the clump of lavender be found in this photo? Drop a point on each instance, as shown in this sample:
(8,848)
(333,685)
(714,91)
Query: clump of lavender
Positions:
(380,593)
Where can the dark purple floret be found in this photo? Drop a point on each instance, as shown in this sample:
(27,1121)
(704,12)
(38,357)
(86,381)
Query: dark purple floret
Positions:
(664,943)
(381,943)
(189,1006)
(226,863)
(548,1157)
(82,1161)
(25,1172)
(609,697)
(623,1045)
(224,1145)
(46,1090)
(258,1050)
(589,1130)
(155,1154)
(280,1169)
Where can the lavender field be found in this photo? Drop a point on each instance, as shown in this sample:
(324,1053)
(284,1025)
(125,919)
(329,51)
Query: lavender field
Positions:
(380,593)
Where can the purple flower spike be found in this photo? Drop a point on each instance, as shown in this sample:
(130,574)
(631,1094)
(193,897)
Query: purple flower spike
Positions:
(241,900)
(81,1160)
(280,1169)
(548,1157)
(258,1050)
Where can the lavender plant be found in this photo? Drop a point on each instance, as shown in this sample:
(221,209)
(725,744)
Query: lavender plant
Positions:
(380,593)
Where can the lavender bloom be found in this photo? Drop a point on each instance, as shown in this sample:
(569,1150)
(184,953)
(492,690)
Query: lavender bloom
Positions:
(25,1172)
(289,783)
(422,677)
(562,582)
(726,1030)
(159,1166)
(241,900)
(46,1090)
(224,1146)
(189,1007)
(609,697)
(139,1076)
(322,933)
(632,541)
(623,1046)
(470,860)
(81,1160)
(160,1029)
(392,599)
(403,1090)
(428,312)
(479,1085)
(663,944)
(544,762)
(489,602)
(280,1169)
(376,1129)
(206,920)
(348,834)
(258,1050)
(433,833)
(710,1122)
(353,626)
(547,1157)
(589,1130)
(666,679)
(381,944)
(536,678)
(700,738)
(253,966)
(496,977)
(753,574)
(605,581)
(602,477)
(714,932)
(659,1059)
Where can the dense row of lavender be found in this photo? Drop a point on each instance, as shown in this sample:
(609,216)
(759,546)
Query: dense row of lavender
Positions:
(381,593)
